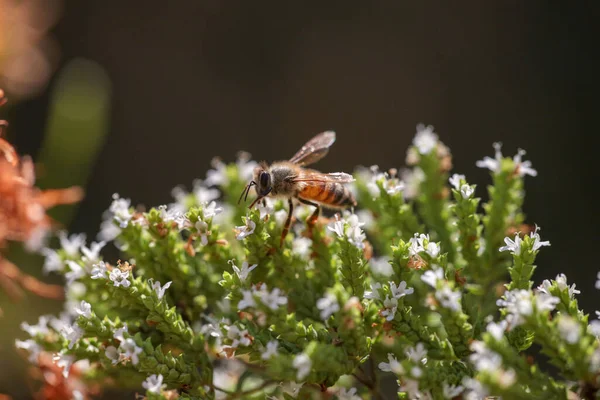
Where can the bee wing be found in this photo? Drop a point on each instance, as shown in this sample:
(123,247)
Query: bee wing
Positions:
(315,149)
(314,176)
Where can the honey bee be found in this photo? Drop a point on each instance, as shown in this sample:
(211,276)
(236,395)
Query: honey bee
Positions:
(288,179)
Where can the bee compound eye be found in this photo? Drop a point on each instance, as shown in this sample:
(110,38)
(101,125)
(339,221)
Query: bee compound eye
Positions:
(264,179)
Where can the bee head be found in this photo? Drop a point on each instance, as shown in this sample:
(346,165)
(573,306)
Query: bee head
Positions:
(262,181)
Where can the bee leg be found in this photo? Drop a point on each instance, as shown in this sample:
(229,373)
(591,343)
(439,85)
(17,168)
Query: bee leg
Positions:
(288,222)
(312,220)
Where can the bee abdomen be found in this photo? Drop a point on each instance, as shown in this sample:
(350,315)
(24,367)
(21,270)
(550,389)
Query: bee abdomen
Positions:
(330,193)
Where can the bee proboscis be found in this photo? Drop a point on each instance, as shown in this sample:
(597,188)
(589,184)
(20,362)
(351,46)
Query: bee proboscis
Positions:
(289,179)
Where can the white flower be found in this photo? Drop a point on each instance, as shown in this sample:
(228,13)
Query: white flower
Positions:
(130,350)
(412,181)
(242,273)
(391,306)
(466,191)
(72,244)
(211,210)
(483,358)
(392,365)
(594,328)
(160,291)
(493,164)
(302,247)
(357,237)
(75,272)
(119,278)
(245,166)
(52,261)
(561,282)
(202,228)
(513,246)
(417,354)
(59,324)
(569,329)
(523,167)
(348,394)
(496,329)
(108,230)
(120,210)
(475,389)
(112,354)
(32,347)
(506,378)
(451,391)
(174,214)
(270,350)
(91,255)
(328,306)
(546,302)
(393,186)
(218,175)
(280,217)
(99,271)
(431,276)
(417,372)
(265,207)
(448,298)
(247,300)
(411,386)
(238,337)
(415,246)
(245,230)
(337,227)
(401,290)
(154,383)
(72,333)
(41,328)
(381,266)
(374,292)
(455,180)
(537,243)
(433,249)
(84,309)
(518,303)
(64,361)
(302,363)
(272,299)
(425,140)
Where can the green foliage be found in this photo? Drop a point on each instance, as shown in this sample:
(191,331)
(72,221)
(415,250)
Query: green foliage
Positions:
(209,304)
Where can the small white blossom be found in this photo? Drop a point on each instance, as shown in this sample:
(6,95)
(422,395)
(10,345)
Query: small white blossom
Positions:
(451,391)
(211,210)
(425,140)
(245,166)
(270,350)
(52,261)
(374,292)
(537,243)
(348,394)
(72,244)
(154,383)
(41,328)
(72,333)
(415,246)
(247,300)
(245,230)
(119,278)
(483,358)
(523,167)
(84,309)
(431,276)
(466,191)
(302,247)
(392,365)
(265,207)
(417,354)
(32,347)
(337,227)
(303,364)
(412,181)
(391,306)
(112,354)
(108,230)
(280,217)
(455,180)
(218,175)
(518,304)
(401,290)
(91,255)
(448,298)
(99,271)
(75,272)
(244,272)
(569,329)
(64,361)
(381,266)
(328,306)
(411,386)
(417,372)
(160,291)
(272,299)
(545,302)
(433,249)
(130,350)
(493,164)
(475,390)
(513,246)
(506,378)
(120,210)
(496,329)
(561,282)
(594,328)
(202,228)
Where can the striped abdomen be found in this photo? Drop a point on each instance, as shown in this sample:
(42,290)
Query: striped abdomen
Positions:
(330,194)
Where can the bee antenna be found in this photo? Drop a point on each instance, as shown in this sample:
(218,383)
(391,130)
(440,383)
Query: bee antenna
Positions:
(246,191)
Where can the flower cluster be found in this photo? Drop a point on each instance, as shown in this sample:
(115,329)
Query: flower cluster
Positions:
(422,283)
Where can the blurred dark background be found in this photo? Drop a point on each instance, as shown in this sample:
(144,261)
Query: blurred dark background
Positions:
(190,80)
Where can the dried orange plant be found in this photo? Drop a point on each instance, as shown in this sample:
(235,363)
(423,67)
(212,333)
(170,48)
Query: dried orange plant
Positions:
(23,216)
